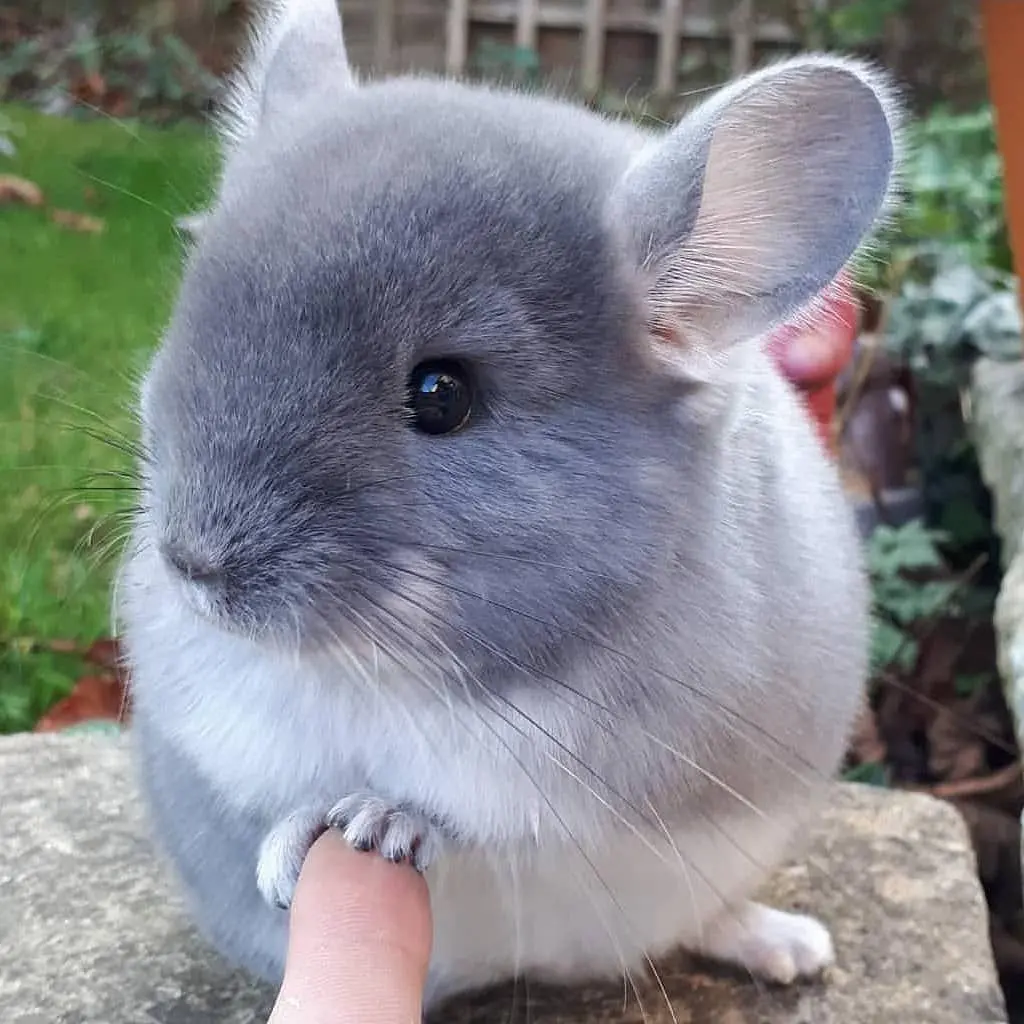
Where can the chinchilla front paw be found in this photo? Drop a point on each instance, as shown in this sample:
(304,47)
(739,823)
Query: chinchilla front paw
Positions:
(368,822)
(397,832)
(283,852)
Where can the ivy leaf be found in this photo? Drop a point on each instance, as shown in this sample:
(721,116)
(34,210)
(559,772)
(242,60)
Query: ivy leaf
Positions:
(891,646)
(912,546)
(872,773)
(933,597)
(967,684)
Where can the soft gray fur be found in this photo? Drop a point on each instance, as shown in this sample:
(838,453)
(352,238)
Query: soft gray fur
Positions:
(591,657)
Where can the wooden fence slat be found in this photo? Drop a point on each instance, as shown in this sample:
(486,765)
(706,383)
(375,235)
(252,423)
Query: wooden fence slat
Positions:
(742,21)
(527,21)
(692,26)
(667,67)
(384,36)
(593,47)
(596,20)
(457,41)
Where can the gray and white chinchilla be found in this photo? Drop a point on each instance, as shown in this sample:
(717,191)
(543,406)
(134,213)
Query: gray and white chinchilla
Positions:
(476,523)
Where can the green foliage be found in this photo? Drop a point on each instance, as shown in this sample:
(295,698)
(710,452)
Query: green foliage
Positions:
(912,586)
(855,23)
(900,598)
(954,179)
(79,314)
(952,211)
(33,591)
(893,550)
(950,298)
(501,62)
(145,68)
(870,773)
(945,314)
(966,684)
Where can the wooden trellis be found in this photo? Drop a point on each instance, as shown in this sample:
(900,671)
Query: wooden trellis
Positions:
(596,24)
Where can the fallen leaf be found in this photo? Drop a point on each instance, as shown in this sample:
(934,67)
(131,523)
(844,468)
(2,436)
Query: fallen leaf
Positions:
(940,653)
(19,190)
(93,698)
(999,790)
(105,653)
(866,744)
(902,721)
(90,88)
(955,749)
(117,103)
(77,221)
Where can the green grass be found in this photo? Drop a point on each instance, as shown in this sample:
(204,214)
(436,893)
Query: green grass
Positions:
(79,315)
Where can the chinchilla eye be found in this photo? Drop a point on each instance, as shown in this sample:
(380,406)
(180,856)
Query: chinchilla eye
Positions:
(440,396)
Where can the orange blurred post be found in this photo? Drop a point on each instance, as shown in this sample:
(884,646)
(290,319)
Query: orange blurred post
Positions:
(1003,26)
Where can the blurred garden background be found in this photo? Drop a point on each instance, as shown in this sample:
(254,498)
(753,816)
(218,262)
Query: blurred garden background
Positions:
(105,146)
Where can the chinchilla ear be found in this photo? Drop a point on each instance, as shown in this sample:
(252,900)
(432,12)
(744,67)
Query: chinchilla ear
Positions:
(741,215)
(296,51)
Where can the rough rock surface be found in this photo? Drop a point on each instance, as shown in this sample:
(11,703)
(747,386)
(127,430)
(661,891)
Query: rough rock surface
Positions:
(90,929)
(997,408)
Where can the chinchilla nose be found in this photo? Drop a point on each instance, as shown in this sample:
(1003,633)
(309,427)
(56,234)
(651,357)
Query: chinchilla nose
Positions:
(190,565)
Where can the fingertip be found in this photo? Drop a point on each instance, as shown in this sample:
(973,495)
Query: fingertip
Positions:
(365,890)
(359,940)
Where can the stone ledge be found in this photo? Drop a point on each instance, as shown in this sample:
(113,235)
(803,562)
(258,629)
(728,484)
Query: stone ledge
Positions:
(997,421)
(997,414)
(92,932)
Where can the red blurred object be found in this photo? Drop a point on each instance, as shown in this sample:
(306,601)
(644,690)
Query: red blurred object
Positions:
(102,697)
(813,353)
(94,698)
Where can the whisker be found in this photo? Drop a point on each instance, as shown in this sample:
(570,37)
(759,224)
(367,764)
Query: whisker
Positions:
(632,828)
(572,754)
(78,489)
(686,866)
(532,670)
(129,131)
(126,409)
(48,508)
(683,864)
(441,694)
(95,383)
(697,691)
(113,187)
(519,559)
(39,467)
(471,705)
(541,729)
(522,666)
(133,449)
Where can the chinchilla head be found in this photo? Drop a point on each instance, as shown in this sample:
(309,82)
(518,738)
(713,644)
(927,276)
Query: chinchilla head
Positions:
(435,344)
